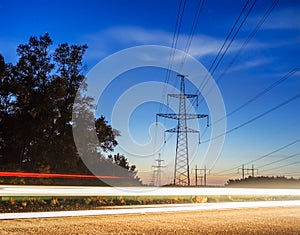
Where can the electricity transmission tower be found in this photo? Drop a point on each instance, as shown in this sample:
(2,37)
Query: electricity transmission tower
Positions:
(157,170)
(246,171)
(203,175)
(182,171)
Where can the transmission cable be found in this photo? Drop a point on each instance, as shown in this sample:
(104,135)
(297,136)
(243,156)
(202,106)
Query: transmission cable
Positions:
(213,68)
(280,160)
(255,118)
(263,156)
(275,168)
(179,18)
(260,94)
(192,32)
(249,38)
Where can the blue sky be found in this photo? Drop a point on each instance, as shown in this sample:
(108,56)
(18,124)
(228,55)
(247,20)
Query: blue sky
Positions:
(109,26)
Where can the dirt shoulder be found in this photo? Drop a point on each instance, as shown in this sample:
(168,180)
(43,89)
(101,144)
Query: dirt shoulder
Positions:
(279,220)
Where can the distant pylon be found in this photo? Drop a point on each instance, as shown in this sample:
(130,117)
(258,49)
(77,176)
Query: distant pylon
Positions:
(245,171)
(157,171)
(182,171)
(203,175)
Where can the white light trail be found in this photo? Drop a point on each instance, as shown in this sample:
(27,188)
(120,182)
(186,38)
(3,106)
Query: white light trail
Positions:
(18,190)
(151,209)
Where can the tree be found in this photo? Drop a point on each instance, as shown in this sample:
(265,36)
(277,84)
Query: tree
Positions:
(36,101)
(32,108)
(106,134)
(122,161)
(265,182)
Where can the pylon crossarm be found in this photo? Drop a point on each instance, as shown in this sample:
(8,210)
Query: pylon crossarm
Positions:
(183,95)
(181,116)
(190,130)
(194,116)
(174,130)
(167,115)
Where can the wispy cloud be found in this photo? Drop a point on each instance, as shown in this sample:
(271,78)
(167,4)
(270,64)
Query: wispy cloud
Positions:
(283,18)
(139,35)
(252,63)
(123,37)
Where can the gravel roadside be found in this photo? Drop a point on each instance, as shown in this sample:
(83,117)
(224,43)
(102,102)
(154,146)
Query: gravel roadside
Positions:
(279,220)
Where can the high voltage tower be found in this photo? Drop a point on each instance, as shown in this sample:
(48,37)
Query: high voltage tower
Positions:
(157,170)
(181,170)
(246,171)
(203,175)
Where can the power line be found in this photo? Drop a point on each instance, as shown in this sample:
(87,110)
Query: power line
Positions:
(286,174)
(213,67)
(229,34)
(262,93)
(223,45)
(254,119)
(275,151)
(192,32)
(258,95)
(280,160)
(249,38)
(191,35)
(227,174)
(275,168)
(236,33)
(179,18)
(263,156)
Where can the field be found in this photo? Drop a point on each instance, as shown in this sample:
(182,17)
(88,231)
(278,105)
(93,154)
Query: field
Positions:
(30,204)
(279,220)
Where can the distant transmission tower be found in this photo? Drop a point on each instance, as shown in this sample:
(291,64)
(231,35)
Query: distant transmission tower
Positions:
(182,171)
(157,170)
(245,171)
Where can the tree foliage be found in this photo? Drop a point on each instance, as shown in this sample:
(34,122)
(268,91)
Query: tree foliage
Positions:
(265,182)
(36,100)
(122,161)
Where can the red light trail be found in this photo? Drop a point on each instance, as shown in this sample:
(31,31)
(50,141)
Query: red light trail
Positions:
(56,175)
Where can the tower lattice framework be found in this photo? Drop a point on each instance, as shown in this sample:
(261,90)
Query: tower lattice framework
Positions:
(181,170)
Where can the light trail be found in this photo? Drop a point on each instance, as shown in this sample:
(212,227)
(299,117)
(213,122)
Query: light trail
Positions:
(151,209)
(55,175)
(26,190)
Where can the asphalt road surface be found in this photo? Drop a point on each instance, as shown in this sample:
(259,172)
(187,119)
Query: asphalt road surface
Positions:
(276,220)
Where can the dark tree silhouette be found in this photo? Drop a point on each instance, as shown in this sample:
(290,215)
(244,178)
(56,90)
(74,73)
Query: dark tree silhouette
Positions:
(36,101)
(122,161)
(106,134)
(265,182)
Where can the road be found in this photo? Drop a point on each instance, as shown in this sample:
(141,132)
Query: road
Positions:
(276,220)
(27,190)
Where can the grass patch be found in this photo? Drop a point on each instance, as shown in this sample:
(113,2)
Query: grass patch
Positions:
(30,204)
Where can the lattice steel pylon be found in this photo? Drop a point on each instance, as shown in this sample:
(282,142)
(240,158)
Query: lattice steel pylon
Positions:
(181,170)
(157,171)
